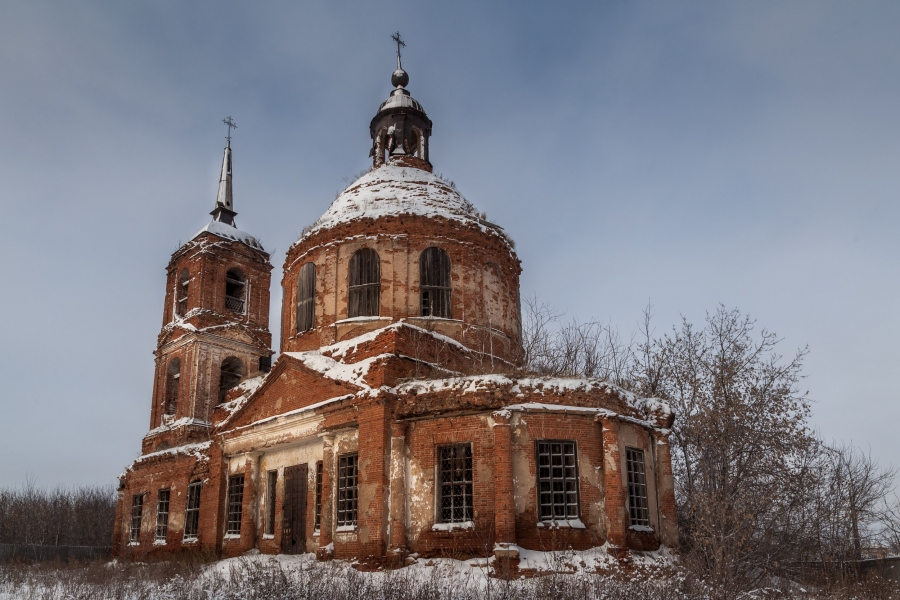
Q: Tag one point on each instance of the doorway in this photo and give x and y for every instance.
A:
(293, 530)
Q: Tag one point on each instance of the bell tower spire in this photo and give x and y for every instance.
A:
(224, 211)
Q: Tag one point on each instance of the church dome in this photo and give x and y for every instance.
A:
(396, 190)
(401, 100)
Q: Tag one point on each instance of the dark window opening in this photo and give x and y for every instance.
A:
(192, 512)
(318, 517)
(181, 293)
(638, 509)
(347, 490)
(306, 298)
(557, 481)
(173, 383)
(456, 483)
(265, 364)
(162, 515)
(230, 375)
(235, 291)
(271, 489)
(434, 283)
(235, 504)
(137, 510)
(365, 284)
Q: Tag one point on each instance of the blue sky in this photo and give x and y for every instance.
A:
(684, 154)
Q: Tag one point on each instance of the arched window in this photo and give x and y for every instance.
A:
(434, 283)
(235, 290)
(181, 292)
(306, 298)
(173, 383)
(365, 284)
(229, 376)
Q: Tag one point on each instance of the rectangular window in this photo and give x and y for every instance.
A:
(455, 477)
(137, 510)
(162, 515)
(192, 512)
(557, 480)
(347, 490)
(235, 504)
(318, 496)
(638, 509)
(271, 490)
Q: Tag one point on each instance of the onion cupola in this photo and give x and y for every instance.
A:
(402, 244)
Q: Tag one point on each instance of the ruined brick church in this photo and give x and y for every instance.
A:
(392, 422)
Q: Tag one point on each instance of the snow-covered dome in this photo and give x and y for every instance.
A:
(394, 190)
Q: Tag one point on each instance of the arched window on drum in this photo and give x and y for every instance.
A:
(365, 284)
(434, 283)
(306, 298)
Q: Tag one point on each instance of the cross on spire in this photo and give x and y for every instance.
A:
(231, 125)
(400, 44)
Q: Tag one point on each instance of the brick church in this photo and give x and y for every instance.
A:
(394, 420)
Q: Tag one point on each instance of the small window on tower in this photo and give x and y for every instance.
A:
(173, 384)
(306, 298)
(365, 284)
(181, 293)
(235, 291)
(229, 376)
(434, 283)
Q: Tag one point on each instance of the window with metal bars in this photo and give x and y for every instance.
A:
(365, 284)
(347, 490)
(306, 298)
(271, 490)
(318, 517)
(235, 504)
(192, 512)
(137, 512)
(434, 283)
(638, 509)
(455, 477)
(173, 382)
(162, 515)
(557, 471)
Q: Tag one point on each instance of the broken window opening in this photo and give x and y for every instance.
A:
(638, 508)
(557, 480)
(271, 488)
(347, 490)
(235, 291)
(162, 515)
(365, 284)
(137, 510)
(181, 293)
(434, 282)
(455, 478)
(235, 504)
(173, 384)
(192, 512)
(230, 374)
(306, 298)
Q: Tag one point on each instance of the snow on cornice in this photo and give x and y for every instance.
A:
(393, 190)
(196, 450)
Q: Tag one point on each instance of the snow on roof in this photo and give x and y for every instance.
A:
(340, 349)
(176, 424)
(393, 190)
(231, 233)
(196, 450)
(247, 388)
(353, 373)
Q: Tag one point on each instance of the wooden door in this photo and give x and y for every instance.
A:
(293, 530)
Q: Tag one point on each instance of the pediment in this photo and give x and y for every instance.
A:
(290, 386)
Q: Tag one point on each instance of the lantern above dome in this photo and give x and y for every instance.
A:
(400, 129)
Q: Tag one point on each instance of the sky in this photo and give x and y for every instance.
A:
(679, 154)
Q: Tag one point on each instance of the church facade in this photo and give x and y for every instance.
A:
(394, 421)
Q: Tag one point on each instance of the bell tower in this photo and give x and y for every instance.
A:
(215, 330)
